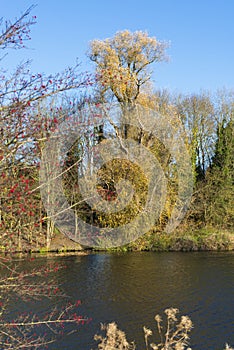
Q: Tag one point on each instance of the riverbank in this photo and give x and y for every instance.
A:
(195, 240)
(206, 239)
(198, 240)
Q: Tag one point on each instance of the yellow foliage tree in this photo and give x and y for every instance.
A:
(122, 63)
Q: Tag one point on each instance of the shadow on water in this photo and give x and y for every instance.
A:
(132, 288)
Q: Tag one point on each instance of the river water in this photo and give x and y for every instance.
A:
(131, 288)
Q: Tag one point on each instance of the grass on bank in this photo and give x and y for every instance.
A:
(206, 239)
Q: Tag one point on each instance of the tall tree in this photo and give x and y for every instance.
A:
(197, 114)
(122, 63)
(220, 179)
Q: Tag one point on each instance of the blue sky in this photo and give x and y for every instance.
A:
(201, 35)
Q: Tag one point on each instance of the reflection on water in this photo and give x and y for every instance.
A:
(131, 288)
